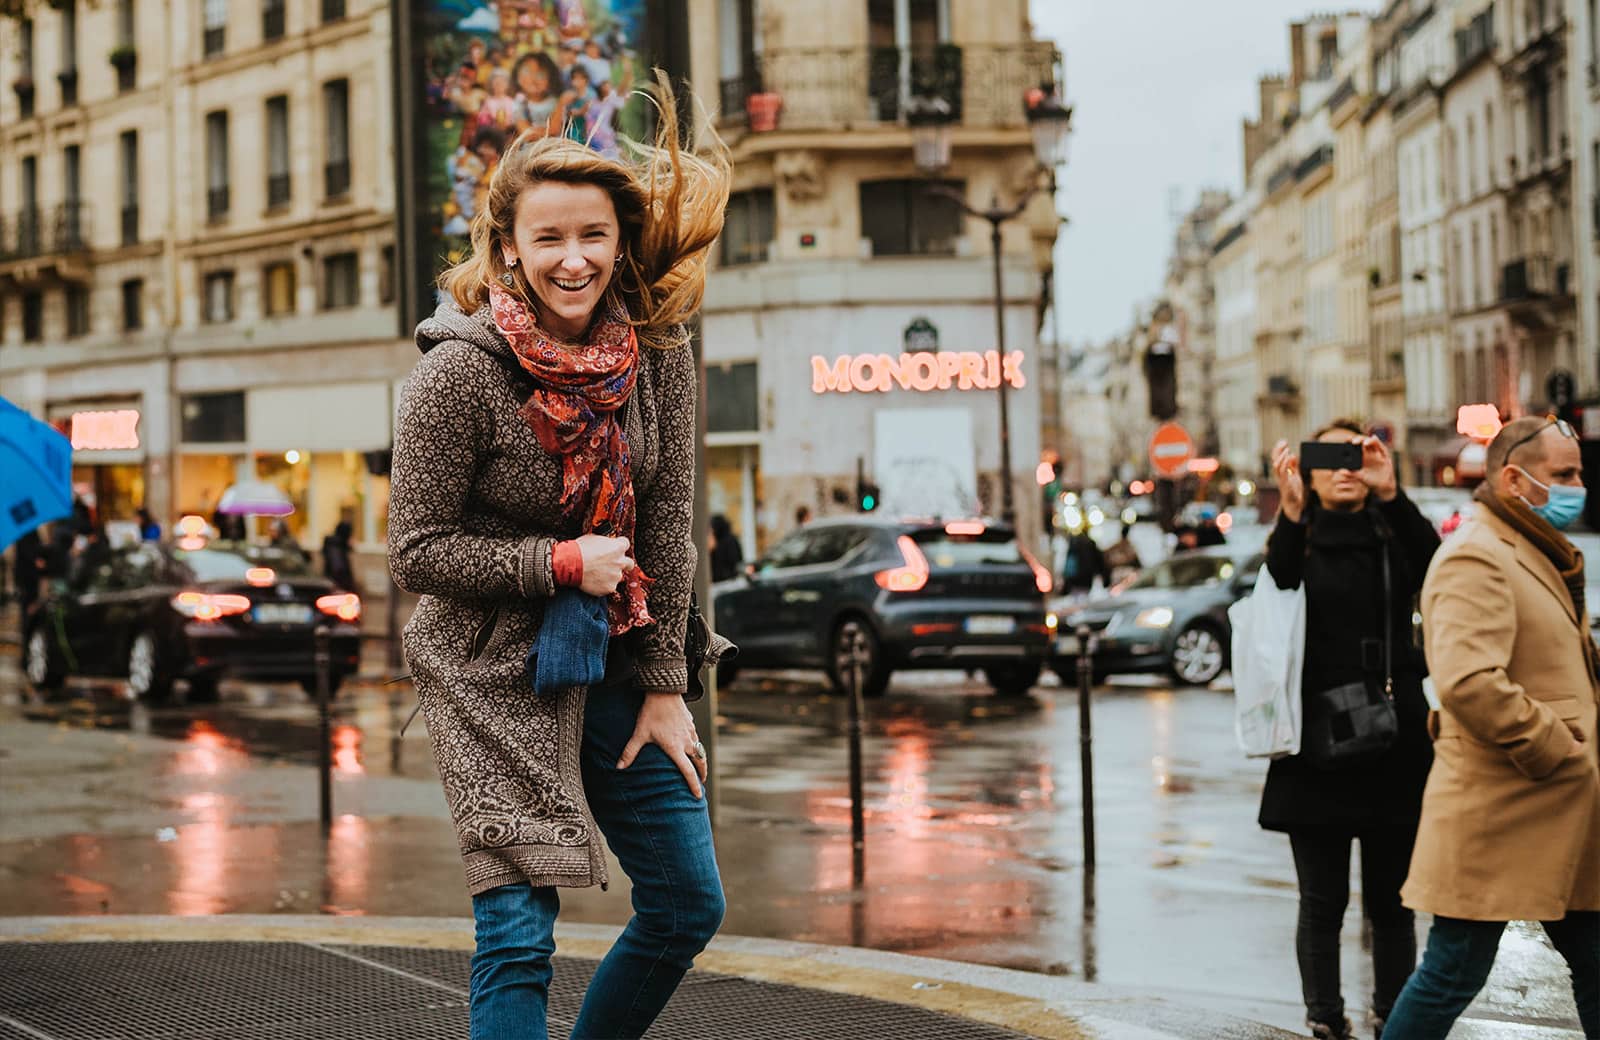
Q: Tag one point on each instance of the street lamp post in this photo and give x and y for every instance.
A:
(932, 126)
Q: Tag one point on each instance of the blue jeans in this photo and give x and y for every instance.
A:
(1457, 962)
(661, 834)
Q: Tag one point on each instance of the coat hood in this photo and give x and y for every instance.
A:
(450, 322)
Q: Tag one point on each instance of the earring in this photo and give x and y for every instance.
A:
(508, 280)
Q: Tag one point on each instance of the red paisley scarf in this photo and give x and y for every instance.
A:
(575, 412)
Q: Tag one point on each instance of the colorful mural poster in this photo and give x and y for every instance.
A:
(495, 68)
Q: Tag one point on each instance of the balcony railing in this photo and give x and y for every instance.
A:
(829, 88)
(33, 233)
(68, 78)
(272, 21)
(734, 92)
(130, 224)
(1535, 277)
(217, 203)
(278, 190)
(337, 179)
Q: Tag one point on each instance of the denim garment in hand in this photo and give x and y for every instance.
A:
(570, 649)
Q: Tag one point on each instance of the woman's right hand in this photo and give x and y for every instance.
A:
(605, 561)
(1291, 487)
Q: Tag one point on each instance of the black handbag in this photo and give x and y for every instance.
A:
(702, 647)
(1355, 722)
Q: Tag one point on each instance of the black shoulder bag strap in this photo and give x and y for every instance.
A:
(1388, 621)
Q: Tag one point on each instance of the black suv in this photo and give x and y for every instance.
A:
(157, 613)
(891, 595)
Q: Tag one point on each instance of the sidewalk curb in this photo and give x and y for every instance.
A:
(1041, 1006)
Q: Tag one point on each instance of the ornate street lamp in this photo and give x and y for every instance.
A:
(1050, 121)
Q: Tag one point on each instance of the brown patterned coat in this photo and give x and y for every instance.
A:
(474, 511)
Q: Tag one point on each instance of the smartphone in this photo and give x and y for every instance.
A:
(1329, 455)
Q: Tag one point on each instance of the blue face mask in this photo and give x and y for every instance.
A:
(1564, 504)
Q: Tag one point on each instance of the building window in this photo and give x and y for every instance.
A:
(129, 147)
(25, 86)
(732, 398)
(216, 165)
(125, 34)
(748, 229)
(213, 418)
(332, 10)
(272, 20)
(278, 183)
(386, 273)
(133, 305)
(279, 285)
(77, 311)
(219, 297)
(904, 218)
(68, 76)
(216, 26)
(336, 113)
(339, 281)
(32, 316)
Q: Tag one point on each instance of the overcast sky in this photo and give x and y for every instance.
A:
(1159, 88)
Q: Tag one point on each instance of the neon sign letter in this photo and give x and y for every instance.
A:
(920, 372)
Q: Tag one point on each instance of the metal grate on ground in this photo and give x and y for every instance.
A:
(290, 991)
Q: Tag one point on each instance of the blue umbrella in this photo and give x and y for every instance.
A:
(35, 473)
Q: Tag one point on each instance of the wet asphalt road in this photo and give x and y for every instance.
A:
(973, 845)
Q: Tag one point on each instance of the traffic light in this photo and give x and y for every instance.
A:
(867, 496)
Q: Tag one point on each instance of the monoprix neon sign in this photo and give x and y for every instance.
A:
(921, 372)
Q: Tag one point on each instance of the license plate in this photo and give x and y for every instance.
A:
(1067, 645)
(283, 614)
(991, 625)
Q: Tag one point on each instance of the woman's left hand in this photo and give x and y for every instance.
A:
(1377, 469)
(665, 721)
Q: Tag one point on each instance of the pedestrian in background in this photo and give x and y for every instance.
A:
(149, 530)
(1121, 558)
(556, 391)
(726, 555)
(1331, 538)
(1511, 816)
(337, 557)
(1084, 563)
(27, 569)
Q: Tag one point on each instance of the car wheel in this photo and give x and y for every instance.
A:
(854, 642)
(308, 683)
(148, 678)
(42, 663)
(1198, 655)
(202, 690)
(1013, 680)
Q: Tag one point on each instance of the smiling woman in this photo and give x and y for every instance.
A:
(543, 487)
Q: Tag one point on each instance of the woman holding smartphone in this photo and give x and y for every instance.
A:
(1332, 537)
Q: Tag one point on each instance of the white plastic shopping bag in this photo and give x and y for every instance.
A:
(1269, 644)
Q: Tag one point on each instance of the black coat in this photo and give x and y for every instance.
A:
(1336, 556)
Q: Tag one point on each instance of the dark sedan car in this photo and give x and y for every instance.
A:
(891, 595)
(155, 614)
(1172, 618)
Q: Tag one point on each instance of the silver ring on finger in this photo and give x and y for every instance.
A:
(698, 751)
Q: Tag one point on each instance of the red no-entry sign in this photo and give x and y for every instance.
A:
(1170, 450)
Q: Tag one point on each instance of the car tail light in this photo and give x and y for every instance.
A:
(910, 578)
(260, 577)
(970, 528)
(346, 606)
(1041, 573)
(204, 606)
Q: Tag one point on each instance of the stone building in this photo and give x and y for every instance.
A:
(196, 255)
(842, 256)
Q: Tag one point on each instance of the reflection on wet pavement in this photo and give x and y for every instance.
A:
(973, 849)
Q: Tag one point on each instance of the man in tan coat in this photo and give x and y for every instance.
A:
(1511, 813)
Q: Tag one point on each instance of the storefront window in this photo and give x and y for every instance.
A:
(732, 403)
(291, 472)
(213, 418)
(115, 491)
(201, 481)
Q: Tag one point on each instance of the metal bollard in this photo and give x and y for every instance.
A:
(1086, 648)
(858, 826)
(324, 665)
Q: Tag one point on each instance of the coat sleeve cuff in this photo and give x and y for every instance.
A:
(536, 577)
(662, 674)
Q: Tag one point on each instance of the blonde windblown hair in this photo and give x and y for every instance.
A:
(670, 203)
